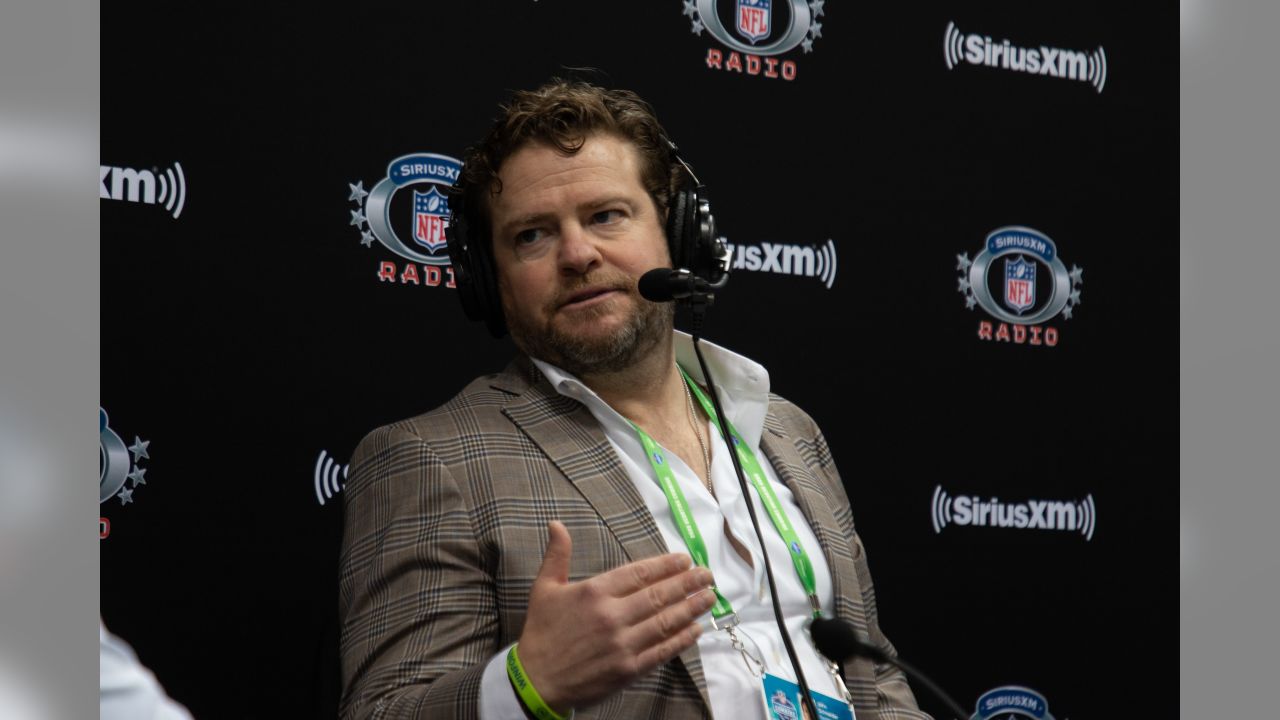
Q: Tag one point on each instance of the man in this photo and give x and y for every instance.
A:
(507, 554)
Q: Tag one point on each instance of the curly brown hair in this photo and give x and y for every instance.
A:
(563, 114)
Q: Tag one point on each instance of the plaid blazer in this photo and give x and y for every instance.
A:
(446, 524)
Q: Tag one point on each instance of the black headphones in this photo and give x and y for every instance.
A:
(690, 229)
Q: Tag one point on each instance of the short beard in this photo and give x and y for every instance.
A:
(581, 357)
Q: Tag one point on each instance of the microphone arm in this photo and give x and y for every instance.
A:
(667, 284)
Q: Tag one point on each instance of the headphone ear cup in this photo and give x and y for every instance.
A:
(678, 228)
(464, 269)
(485, 280)
(473, 273)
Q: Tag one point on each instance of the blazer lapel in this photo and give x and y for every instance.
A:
(567, 432)
(816, 506)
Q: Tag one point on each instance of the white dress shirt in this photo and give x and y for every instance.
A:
(733, 690)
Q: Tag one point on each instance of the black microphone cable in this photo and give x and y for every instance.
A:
(835, 639)
(805, 697)
(656, 286)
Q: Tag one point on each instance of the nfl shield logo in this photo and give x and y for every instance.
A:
(430, 216)
(1019, 284)
(753, 19)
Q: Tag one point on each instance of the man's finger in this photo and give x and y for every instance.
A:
(623, 581)
(670, 622)
(555, 563)
(656, 597)
(664, 651)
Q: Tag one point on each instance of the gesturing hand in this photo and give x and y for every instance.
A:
(584, 641)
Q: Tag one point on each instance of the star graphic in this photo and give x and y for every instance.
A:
(357, 218)
(697, 27)
(815, 7)
(357, 191)
(963, 262)
(1077, 274)
(125, 495)
(807, 45)
(366, 238)
(970, 301)
(1066, 313)
(1074, 298)
(963, 283)
(690, 8)
(816, 30)
(139, 448)
(138, 476)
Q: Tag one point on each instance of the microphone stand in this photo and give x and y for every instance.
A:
(699, 302)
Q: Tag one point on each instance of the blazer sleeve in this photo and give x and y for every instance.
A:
(417, 604)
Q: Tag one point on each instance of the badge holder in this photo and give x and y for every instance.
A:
(782, 702)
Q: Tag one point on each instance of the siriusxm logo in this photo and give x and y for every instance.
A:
(1011, 701)
(971, 510)
(758, 33)
(977, 49)
(1019, 279)
(168, 188)
(421, 238)
(816, 261)
(328, 477)
(118, 464)
(407, 211)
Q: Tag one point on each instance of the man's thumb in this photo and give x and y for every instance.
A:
(555, 564)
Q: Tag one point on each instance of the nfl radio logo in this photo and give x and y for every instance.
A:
(1019, 284)
(430, 216)
(753, 19)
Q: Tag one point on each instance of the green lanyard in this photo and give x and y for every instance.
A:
(688, 529)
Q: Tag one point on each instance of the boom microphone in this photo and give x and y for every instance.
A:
(665, 285)
(839, 641)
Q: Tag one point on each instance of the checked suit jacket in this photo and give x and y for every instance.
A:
(446, 525)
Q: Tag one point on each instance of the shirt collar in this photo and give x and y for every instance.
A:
(743, 386)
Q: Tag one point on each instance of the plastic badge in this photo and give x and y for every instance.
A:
(782, 701)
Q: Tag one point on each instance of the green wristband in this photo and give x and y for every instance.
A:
(530, 697)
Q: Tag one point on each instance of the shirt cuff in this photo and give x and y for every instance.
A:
(498, 699)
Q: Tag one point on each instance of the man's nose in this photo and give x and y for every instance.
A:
(578, 251)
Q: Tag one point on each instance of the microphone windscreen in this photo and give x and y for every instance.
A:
(832, 639)
(655, 285)
(838, 641)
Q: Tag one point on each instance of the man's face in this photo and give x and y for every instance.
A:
(572, 236)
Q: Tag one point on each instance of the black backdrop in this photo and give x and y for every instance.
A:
(249, 340)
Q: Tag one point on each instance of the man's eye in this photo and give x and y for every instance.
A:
(526, 237)
(606, 217)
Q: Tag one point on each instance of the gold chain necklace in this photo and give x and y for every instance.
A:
(706, 453)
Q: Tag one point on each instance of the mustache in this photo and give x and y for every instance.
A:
(601, 282)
